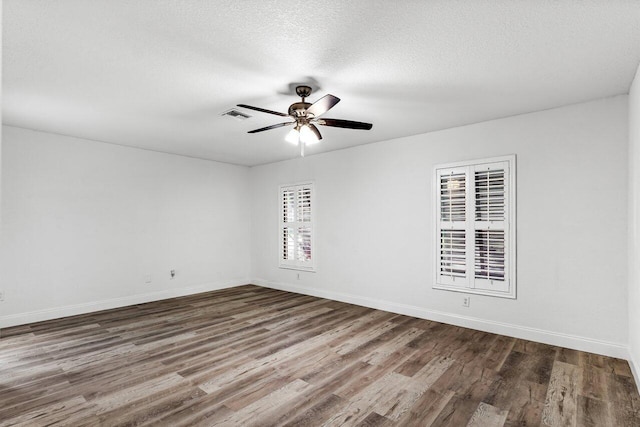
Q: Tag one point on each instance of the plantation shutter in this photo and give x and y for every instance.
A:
(296, 227)
(452, 224)
(490, 226)
(288, 206)
(474, 227)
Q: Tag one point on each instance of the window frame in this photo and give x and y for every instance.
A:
(468, 284)
(295, 264)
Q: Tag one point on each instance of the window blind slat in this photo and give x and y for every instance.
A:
(453, 259)
(288, 243)
(303, 202)
(490, 254)
(303, 244)
(288, 206)
(490, 195)
(453, 197)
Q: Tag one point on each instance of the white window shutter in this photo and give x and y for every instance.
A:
(296, 226)
(287, 218)
(491, 226)
(288, 207)
(303, 245)
(475, 237)
(288, 244)
(303, 204)
(452, 234)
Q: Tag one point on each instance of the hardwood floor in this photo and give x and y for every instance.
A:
(255, 356)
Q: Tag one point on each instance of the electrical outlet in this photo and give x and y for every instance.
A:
(466, 301)
(1, 295)
(173, 274)
(147, 278)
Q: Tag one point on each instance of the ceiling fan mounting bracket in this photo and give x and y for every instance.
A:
(303, 91)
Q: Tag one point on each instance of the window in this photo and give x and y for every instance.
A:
(475, 227)
(296, 226)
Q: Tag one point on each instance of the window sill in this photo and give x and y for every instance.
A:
(298, 268)
(508, 295)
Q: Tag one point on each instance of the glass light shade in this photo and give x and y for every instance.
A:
(307, 136)
(293, 136)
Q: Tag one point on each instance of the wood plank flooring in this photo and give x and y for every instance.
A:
(252, 356)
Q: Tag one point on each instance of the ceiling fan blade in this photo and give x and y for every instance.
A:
(349, 124)
(323, 105)
(315, 130)
(279, 125)
(263, 110)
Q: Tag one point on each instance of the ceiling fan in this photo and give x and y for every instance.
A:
(305, 118)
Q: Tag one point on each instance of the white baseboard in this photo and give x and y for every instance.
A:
(634, 369)
(89, 307)
(575, 342)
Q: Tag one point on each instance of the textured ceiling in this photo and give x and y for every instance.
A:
(157, 74)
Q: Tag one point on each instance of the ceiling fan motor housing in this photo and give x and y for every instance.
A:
(299, 109)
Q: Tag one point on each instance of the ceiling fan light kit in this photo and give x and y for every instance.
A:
(301, 134)
(293, 136)
(306, 116)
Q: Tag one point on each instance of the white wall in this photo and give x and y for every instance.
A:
(634, 224)
(83, 223)
(374, 230)
(0, 140)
